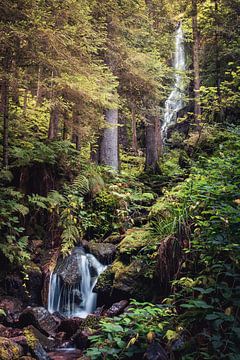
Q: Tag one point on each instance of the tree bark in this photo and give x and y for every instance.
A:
(134, 131)
(53, 124)
(109, 140)
(5, 104)
(153, 145)
(196, 65)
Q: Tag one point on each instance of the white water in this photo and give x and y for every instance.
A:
(175, 102)
(78, 299)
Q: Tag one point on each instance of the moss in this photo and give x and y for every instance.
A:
(105, 280)
(30, 337)
(134, 241)
(9, 350)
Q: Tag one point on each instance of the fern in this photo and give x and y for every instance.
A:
(81, 185)
(70, 236)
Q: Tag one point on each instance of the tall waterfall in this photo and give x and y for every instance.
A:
(175, 102)
(71, 285)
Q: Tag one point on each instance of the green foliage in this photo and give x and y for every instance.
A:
(127, 335)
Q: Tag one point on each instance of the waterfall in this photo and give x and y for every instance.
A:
(74, 297)
(175, 102)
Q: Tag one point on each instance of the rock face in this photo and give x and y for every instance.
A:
(9, 350)
(12, 308)
(104, 252)
(40, 318)
(68, 268)
(116, 308)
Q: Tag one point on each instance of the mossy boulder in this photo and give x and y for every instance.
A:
(9, 350)
(130, 281)
(104, 252)
(134, 240)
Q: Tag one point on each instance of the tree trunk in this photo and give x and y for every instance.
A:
(5, 104)
(134, 132)
(153, 145)
(53, 125)
(109, 141)
(39, 89)
(196, 65)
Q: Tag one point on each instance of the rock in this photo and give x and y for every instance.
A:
(68, 268)
(66, 354)
(114, 239)
(41, 319)
(70, 326)
(81, 339)
(155, 352)
(134, 240)
(48, 343)
(104, 252)
(9, 350)
(116, 308)
(34, 285)
(9, 332)
(12, 308)
(104, 287)
(34, 346)
(13, 285)
(130, 281)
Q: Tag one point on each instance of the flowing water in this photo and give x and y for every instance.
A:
(175, 101)
(75, 299)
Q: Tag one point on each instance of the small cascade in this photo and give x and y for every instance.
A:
(71, 285)
(175, 101)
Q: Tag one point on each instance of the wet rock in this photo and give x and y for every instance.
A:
(116, 308)
(12, 308)
(104, 252)
(70, 326)
(156, 352)
(9, 350)
(13, 285)
(39, 353)
(65, 354)
(33, 345)
(68, 268)
(104, 287)
(40, 318)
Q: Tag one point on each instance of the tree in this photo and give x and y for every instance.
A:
(196, 65)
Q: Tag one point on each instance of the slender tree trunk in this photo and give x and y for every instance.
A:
(109, 140)
(39, 89)
(65, 125)
(153, 145)
(134, 131)
(196, 65)
(54, 123)
(5, 104)
(25, 101)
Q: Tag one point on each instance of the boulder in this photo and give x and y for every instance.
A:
(12, 307)
(9, 332)
(114, 239)
(104, 287)
(134, 240)
(48, 343)
(9, 350)
(116, 308)
(68, 268)
(40, 318)
(104, 252)
(70, 326)
(81, 339)
(33, 345)
(130, 281)
(34, 285)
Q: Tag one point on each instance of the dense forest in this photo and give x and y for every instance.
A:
(119, 179)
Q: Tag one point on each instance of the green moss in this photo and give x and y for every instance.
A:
(135, 240)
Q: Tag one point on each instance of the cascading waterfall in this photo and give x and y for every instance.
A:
(175, 101)
(75, 299)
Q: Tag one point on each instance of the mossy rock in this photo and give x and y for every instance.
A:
(161, 209)
(130, 279)
(9, 350)
(135, 240)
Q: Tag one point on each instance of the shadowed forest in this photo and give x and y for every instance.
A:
(119, 179)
